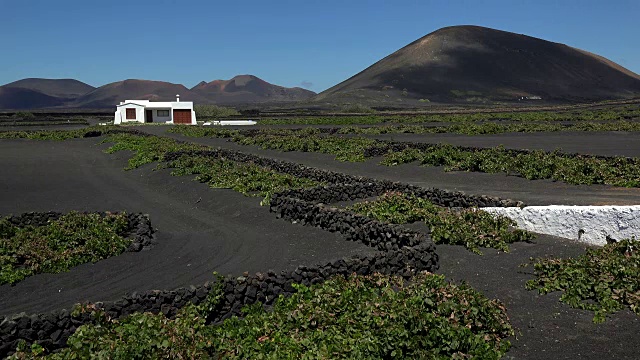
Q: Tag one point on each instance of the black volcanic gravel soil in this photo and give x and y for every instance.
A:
(532, 192)
(614, 143)
(199, 230)
(43, 127)
(546, 328)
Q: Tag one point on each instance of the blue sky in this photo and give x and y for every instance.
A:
(289, 43)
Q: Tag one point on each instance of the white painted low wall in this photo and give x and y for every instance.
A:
(230, 122)
(589, 224)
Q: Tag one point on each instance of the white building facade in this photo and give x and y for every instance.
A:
(145, 111)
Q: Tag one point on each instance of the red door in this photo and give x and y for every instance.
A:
(182, 116)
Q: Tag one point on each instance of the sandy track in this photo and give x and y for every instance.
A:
(615, 143)
(200, 230)
(536, 192)
(76, 175)
(545, 327)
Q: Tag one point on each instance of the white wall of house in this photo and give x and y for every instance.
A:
(141, 106)
(158, 118)
(121, 114)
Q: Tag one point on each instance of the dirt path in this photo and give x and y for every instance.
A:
(200, 230)
(536, 192)
(546, 328)
(615, 143)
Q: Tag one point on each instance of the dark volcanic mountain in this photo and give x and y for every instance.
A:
(472, 63)
(244, 89)
(67, 93)
(19, 99)
(62, 88)
(41, 93)
(110, 95)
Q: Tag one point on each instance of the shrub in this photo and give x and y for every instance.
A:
(532, 165)
(363, 317)
(372, 317)
(57, 135)
(138, 336)
(248, 179)
(491, 128)
(146, 149)
(73, 239)
(537, 164)
(305, 140)
(592, 115)
(602, 280)
(471, 228)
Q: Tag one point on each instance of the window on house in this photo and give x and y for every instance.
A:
(131, 114)
(163, 113)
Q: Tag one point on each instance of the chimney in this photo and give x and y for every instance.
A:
(178, 98)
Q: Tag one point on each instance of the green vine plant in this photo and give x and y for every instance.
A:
(603, 280)
(74, 239)
(56, 135)
(303, 140)
(248, 179)
(533, 165)
(361, 317)
(609, 114)
(491, 128)
(471, 228)
(245, 178)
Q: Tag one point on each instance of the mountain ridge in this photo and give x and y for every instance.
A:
(455, 64)
(63, 88)
(37, 93)
(468, 62)
(249, 88)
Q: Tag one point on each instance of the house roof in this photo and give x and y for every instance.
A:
(129, 103)
(157, 104)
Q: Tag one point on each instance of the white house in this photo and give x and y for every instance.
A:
(145, 111)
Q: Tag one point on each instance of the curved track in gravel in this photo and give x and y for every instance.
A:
(612, 143)
(199, 230)
(546, 328)
(532, 192)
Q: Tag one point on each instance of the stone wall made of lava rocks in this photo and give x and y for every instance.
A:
(52, 330)
(400, 251)
(139, 228)
(343, 187)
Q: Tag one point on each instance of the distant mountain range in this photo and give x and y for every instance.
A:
(244, 89)
(458, 64)
(108, 96)
(68, 93)
(41, 93)
(478, 64)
